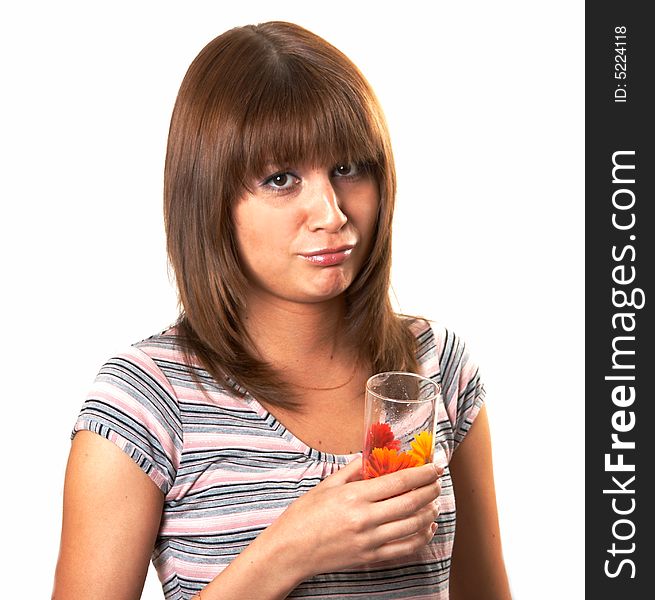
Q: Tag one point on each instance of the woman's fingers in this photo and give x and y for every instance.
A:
(400, 482)
(404, 505)
(389, 498)
(404, 546)
(351, 472)
(419, 523)
(386, 486)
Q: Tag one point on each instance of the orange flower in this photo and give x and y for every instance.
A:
(381, 436)
(421, 447)
(384, 460)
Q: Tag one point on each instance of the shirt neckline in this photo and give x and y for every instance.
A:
(295, 442)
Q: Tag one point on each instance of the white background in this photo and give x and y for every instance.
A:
(485, 105)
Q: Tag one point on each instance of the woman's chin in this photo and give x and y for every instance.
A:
(312, 288)
(328, 286)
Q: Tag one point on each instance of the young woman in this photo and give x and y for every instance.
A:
(225, 448)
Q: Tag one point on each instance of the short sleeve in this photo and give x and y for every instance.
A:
(462, 389)
(132, 404)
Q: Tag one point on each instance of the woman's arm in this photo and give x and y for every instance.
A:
(477, 570)
(111, 516)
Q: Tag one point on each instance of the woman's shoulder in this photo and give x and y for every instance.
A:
(141, 366)
(156, 362)
(166, 339)
(429, 333)
(167, 348)
(439, 349)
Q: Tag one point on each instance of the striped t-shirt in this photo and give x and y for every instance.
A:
(228, 468)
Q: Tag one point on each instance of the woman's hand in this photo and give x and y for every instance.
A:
(346, 521)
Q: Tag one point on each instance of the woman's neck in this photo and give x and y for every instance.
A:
(307, 346)
(292, 336)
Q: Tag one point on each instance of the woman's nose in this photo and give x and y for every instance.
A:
(323, 209)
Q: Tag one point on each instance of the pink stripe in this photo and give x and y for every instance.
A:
(202, 571)
(202, 441)
(201, 526)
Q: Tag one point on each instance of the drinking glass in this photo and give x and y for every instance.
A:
(399, 422)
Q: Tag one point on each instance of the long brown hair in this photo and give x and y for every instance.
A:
(260, 94)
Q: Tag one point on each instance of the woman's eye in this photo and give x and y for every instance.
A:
(346, 170)
(281, 181)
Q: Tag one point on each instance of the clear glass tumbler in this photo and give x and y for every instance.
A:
(399, 422)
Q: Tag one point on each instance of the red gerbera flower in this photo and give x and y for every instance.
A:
(381, 436)
(383, 460)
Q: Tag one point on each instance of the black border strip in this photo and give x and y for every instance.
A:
(620, 345)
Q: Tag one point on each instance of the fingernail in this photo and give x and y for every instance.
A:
(438, 469)
(433, 528)
(437, 505)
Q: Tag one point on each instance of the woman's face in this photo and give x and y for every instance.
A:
(304, 232)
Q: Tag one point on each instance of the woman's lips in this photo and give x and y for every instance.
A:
(328, 257)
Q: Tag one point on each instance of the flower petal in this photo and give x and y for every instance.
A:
(384, 460)
(422, 447)
(381, 436)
